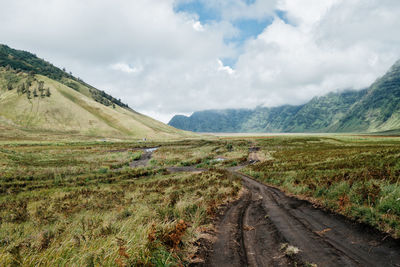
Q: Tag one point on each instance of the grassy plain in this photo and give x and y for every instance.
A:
(79, 203)
(64, 204)
(357, 176)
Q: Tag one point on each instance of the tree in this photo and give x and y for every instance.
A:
(48, 94)
(9, 86)
(28, 94)
(35, 94)
(23, 89)
(29, 82)
(41, 86)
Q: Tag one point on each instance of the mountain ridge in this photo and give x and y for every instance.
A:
(372, 109)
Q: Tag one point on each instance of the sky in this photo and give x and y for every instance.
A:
(167, 57)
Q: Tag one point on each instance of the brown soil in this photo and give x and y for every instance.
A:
(143, 161)
(265, 228)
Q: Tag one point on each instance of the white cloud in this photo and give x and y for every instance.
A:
(223, 68)
(125, 68)
(163, 63)
(198, 27)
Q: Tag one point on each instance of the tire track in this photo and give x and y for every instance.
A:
(253, 229)
(229, 248)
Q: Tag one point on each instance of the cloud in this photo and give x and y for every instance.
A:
(231, 10)
(162, 62)
(223, 68)
(198, 27)
(328, 45)
(125, 68)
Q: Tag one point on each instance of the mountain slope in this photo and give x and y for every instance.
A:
(212, 120)
(315, 116)
(374, 109)
(321, 112)
(56, 102)
(378, 109)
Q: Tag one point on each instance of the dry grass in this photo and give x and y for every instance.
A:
(355, 176)
(65, 204)
(71, 113)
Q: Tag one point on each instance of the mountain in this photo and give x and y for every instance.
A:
(212, 120)
(38, 98)
(376, 108)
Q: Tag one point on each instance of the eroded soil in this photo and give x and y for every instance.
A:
(267, 228)
(144, 159)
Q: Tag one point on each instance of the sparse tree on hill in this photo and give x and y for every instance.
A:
(9, 86)
(113, 105)
(29, 82)
(41, 86)
(48, 94)
(35, 94)
(28, 94)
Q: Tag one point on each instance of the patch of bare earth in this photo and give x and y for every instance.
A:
(267, 228)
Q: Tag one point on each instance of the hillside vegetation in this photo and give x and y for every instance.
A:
(37, 98)
(369, 110)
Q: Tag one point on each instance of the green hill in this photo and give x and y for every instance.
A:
(374, 109)
(378, 109)
(37, 98)
(315, 116)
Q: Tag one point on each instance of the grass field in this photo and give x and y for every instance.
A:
(81, 204)
(357, 176)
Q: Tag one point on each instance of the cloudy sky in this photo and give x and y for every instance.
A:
(166, 57)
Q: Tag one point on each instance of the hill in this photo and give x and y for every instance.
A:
(378, 109)
(37, 98)
(375, 109)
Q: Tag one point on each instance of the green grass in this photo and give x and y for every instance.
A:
(202, 153)
(78, 204)
(356, 176)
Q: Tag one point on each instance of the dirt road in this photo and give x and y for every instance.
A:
(267, 228)
(144, 159)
